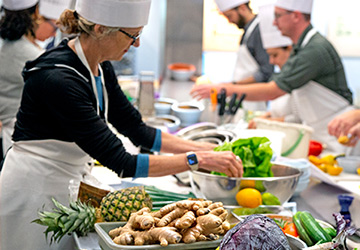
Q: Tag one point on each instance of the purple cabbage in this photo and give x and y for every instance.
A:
(255, 232)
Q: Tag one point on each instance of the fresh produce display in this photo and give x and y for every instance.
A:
(312, 232)
(327, 164)
(255, 232)
(80, 217)
(255, 153)
(185, 221)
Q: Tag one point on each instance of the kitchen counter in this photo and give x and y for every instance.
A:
(319, 198)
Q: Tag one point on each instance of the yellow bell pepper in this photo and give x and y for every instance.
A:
(328, 159)
(314, 160)
(334, 170)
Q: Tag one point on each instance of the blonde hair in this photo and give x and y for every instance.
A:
(70, 22)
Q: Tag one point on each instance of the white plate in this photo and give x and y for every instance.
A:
(346, 181)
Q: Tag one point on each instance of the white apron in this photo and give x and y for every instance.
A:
(246, 66)
(33, 172)
(317, 106)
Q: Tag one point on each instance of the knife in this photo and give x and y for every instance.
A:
(222, 103)
(232, 103)
(235, 108)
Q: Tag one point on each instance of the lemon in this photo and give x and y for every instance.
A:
(270, 199)
(249, 197)
(358, 171)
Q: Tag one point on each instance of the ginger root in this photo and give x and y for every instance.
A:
(188, 221)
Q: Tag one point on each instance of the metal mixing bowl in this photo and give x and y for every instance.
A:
(224, 189)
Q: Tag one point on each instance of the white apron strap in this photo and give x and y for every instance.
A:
(82, 57)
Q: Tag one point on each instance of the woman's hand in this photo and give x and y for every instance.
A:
(201, 91)
(224, 162)
(346, 124)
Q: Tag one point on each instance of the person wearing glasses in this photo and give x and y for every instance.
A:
(252, 63)
(71, 95)
(314, 74)
(18, 27)
(279, 48)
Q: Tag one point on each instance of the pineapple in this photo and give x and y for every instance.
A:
(118, 205)
(81, 217)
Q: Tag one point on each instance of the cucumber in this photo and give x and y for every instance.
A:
(301, 230)
(313, 228)
(331, 231)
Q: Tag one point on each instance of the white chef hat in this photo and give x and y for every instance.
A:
(115, 13)
(271, 36)
(225, 5)
(52, 9)
(304, 6)
(16, 5)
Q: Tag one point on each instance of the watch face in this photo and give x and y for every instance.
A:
(192, 160)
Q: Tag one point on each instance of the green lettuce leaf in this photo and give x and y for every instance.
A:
(255, 153)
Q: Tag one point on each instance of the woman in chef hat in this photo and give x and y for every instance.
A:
(18, 26)
(278, 48)
(50, 10)
(70, 95)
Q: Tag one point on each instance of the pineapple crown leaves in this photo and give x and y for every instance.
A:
(78, 217)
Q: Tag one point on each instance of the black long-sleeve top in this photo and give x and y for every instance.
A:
(58, 102)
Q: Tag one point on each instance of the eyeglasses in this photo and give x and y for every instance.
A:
(131, 36)
(277, 16)
(52, 24)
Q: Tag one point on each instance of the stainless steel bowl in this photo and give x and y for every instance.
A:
(219, 136)
(196, 128)
(224, 189)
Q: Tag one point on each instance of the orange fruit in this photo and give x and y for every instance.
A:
(247, 184)
(358, 171)
(249, 197)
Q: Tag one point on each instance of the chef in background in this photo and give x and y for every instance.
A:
(278, 48)
(70, 97)
(252, 63)
(51, 10)
(18, 26)
(314, 75)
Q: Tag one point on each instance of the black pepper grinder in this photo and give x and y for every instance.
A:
(345, 202)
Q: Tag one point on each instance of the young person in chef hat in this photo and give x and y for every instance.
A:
(313, 75)
(278, 48)
(70, 95)
(252, 64)
(18, 25)
(51, 10)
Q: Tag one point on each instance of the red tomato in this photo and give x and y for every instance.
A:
(290, 228)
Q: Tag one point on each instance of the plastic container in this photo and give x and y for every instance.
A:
(350, 164)
(106, 243)
(297, 136)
